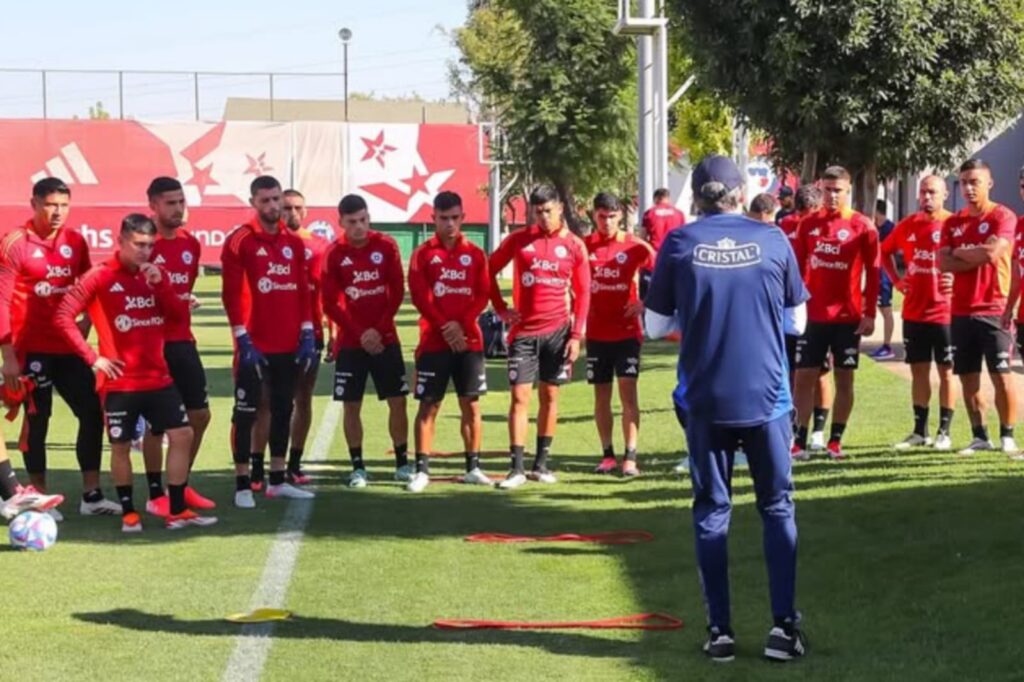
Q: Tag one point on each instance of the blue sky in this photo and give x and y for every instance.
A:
(398, 47)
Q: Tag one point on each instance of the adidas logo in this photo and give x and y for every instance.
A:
(261, 252)
(38, 253)
(850, 361)
(631, 369)
(159, 260)
(347, 261)
(593, 256)
(912, 238)
(529, 249)
(816, 232)
(69, 165)
(117, 288)
(1003, 364)
(435, 260)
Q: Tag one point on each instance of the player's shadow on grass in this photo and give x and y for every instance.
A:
(303, 627)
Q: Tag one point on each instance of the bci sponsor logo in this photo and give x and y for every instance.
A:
(607, 273)
(450, 274)
(827, 249)
(279, 269)
(924, 254)
(177, 277)
(361, 276)
(545, 265)
(139, 302)
(56, 271)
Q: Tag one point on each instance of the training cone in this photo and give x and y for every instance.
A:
(259, 616)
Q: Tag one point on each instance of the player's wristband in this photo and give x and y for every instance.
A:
(239, 331)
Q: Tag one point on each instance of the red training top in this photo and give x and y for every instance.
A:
(35, 274)
(448, 285)
(659, 220)
(179, 258)
(918, 237)
(614, 263)
(264, 286)
(363, 288)
(836, 250)
(547, 267)
(314, 252)
(983, 290)
(130, 318)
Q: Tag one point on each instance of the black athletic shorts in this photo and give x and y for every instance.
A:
(69, 374)
(187, 372)
(279, 375)
(539, 357)
(606, 359)
(826, 364)
(820, 338)
(353, 365)
(467, 371)
(1020, 340)
(163, 409)
(980, 336)
(927, 342)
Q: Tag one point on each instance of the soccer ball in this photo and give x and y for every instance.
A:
(33, 531)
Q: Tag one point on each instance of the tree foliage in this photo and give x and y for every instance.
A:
(881, 86)
(562, 86)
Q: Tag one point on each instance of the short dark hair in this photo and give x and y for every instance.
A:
(293, 193)
(446, 201)
(807, 197)
(607, 201)
(661, 193)
(160, 185)
(881, 206)
(351, 203)
(263, 182)
(48, 186)
(137, 223)
(542, 194)
(836, 173)
(763, 203)
(975, 164)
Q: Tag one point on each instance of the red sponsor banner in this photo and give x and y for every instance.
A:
(399, 168)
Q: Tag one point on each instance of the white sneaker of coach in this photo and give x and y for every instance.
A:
(419, 482)
(943, 442)
(477, 477)
(102, 507)
(1010, 447)
(287, 490)
(977, 445)
(512, 481)
(817, 441)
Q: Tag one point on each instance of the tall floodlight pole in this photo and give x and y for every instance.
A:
(346, 35)
(652, 86)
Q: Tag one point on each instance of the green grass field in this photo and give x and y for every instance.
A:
(908, 564)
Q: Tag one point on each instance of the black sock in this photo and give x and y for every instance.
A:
(820, 417)
(156, 486)
(295, 460)
(124, 496)
(980, 431)
(609, 452)
(1006, 431)
(243, 482)
(94, 495)
(630, 454)
(256, 462)
(276, 477)
(540, 459)
(8, 480)
(836, 434)
(422, 463)
(356, 455)
(177, 495)
(472, 461)
(518, 451)
(801, 437)
(401, 455)
(945, 419)
(921, 420)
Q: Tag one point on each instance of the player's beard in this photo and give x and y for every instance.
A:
(272, 217)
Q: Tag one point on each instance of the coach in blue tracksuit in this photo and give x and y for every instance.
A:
(732, 287)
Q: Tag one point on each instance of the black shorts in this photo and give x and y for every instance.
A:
(927, 342)
(791, 340)
(187, 373)
(163, 409)
(1020, 340)
(279, 375)
(980, 336)
(353, 365)
(467, 371)
(606, 359)
(539, 357)
(821, 338)
(70, 375)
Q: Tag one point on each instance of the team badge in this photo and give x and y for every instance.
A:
(561, 251)
(66, 251)
(287, 252)
(377, 257)
(465, 260)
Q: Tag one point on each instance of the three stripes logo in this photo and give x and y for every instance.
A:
(70, 166)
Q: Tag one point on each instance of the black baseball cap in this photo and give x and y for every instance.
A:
(716, 168)
(785, 191)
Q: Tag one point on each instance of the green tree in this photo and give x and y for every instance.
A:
(562, 86)
(880, 86)
(98, 113)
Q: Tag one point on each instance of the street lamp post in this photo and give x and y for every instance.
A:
(345, 35)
